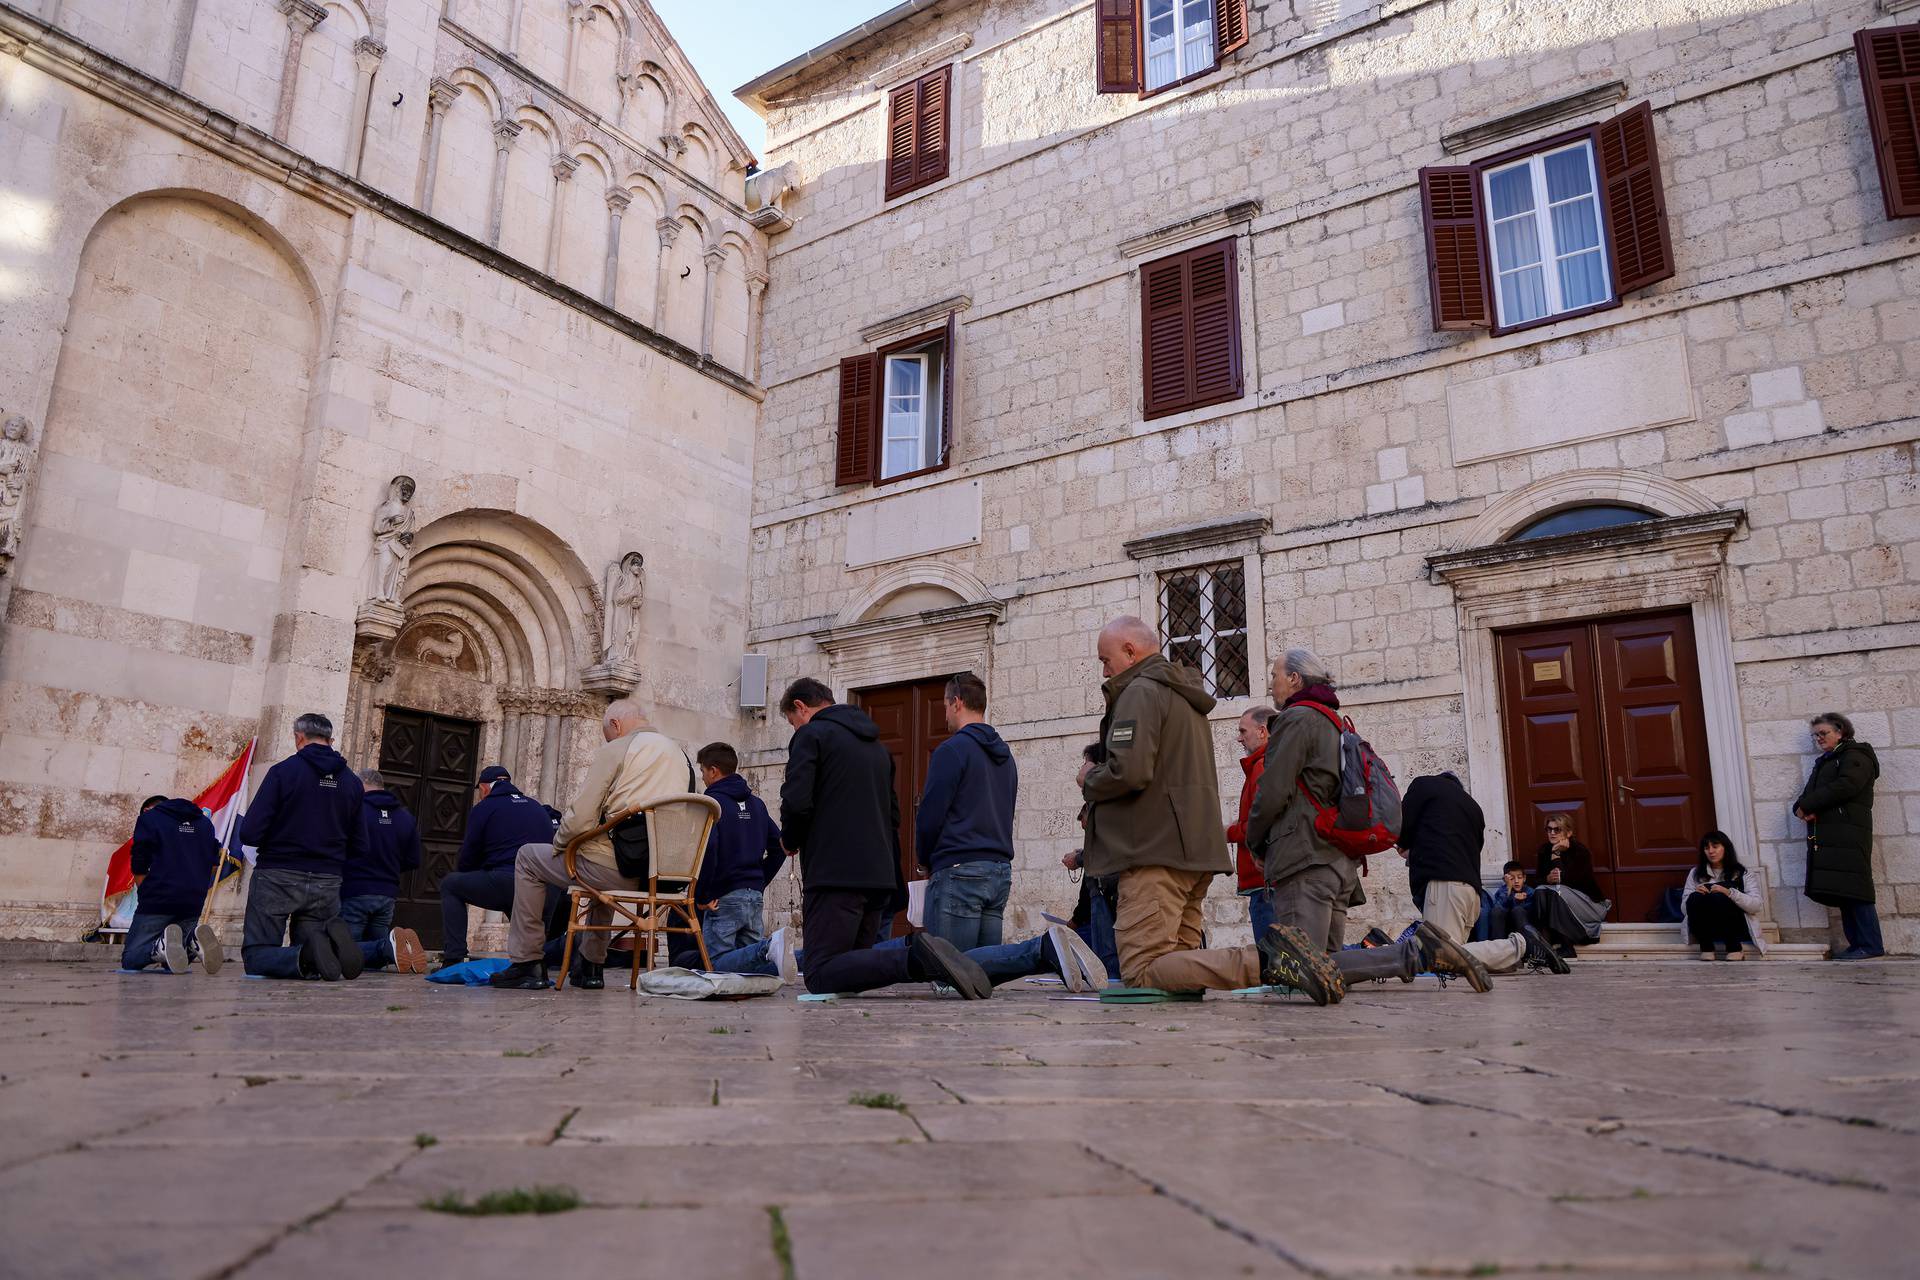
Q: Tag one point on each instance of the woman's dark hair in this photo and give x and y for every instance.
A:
(1732, 871)
(1841, 725)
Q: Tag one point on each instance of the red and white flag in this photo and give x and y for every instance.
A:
(221, 802)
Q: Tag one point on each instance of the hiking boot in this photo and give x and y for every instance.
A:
(206, 950)
(408, 955)
(1539, 954)
(1287, 959)
(780, 951)
(1080, 966)
(346, 947)
(941, 961)
(588, 976)
(522, 975)
(1444, 955)
(171, 950)
(317, 958)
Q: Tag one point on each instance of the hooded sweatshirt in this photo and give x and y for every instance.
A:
(175, 848)
(306, 815)
(1155, 800)
(966, 814)
(744, 850)
(838, 808)
(496, 828)
(392, 846)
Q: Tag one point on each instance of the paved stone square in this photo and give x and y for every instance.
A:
(1667, 1119)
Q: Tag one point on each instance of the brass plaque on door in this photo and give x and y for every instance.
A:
(1544, 672)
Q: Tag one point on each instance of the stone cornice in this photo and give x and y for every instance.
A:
(1239, 213)
(887, 77)
(1568, 551)
(1250, 525)
(1526, 119)
(919, 318)
(557, 702)
(960, 617)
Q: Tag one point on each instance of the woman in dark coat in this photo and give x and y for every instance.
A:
(1837, 806)
(1570, 913)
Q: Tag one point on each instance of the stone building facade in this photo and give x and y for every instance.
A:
(1632, 513)
(265, 260)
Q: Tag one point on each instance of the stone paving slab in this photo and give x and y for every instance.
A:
(1644, 1120)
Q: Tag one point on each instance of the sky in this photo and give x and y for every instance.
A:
(732, 41)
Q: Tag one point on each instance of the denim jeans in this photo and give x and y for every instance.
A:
(967, 900)
(143, 934)
(1259, 911)
(736, 921)
(490, 890)
(369, 916)
(1099, 932)
(1010, 960)
(281, 904)
(1862, 926)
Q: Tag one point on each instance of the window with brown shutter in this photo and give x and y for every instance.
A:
(919, 128)
(859, 419)
(1117, 42)
(1190, 329)
(1890, 80)
(1146, 46)
(896, 409)
(1456, 269)
(1636, 202)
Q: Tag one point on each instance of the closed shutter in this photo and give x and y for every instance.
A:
(1230, 25)
(1456, 268)
(903, 131)
(931, 150)
(1635, 200)
(1117, 45)
(1190, 330)
(1890, 79)
(952, 357)
(859, 419)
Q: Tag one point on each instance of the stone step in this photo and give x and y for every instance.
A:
(1662, 942)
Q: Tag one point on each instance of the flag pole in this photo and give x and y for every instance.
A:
(226, 837)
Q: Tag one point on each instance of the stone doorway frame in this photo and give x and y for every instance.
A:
(868, 653)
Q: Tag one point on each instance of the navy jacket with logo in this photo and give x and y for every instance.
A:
(175, 848)
(499, 825)
(306, 815)
(744, 851)
(392, 846)
(966, 814)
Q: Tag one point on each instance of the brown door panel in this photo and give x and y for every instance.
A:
(1552, 726)
(429, 762)
(912, 719)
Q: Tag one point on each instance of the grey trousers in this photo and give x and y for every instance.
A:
(534, 868)
(1454, 908)
(1314, 901)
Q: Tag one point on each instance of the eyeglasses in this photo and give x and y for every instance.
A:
(1555, 830)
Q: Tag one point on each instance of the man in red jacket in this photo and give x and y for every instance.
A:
(1253, 884)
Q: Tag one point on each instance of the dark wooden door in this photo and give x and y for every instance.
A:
(913, 721)
(429, 762)
(1603, 721)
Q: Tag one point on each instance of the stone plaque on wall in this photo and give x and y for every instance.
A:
(913, 524)
(1605, 393)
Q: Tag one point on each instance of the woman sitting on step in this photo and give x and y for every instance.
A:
(1567, 904)
(1721, 902)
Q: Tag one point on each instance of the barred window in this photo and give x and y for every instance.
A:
(1203, 614)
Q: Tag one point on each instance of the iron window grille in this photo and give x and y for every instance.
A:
(1203, 614)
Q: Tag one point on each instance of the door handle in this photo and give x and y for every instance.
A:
(1623, 790)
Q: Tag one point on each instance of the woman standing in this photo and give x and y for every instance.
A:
(1567, 904)
(1719, 906)
(1837, 806)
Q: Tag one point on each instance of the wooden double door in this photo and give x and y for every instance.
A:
(429, 762)
(1603, 721)
(913, 721)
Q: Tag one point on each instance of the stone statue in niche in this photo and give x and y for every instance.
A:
(626, 592)
(392, 540)
(16, 458)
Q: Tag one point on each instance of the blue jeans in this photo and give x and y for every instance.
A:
(967, 900)
(370, 916)
(1259, 911)
(280, 904)
(490, 890)
(1099, 931)
(1858, 919)
(736, 921)
(143, 933)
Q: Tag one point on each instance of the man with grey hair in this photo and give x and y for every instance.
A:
(637, 766)
(306, 822)
(1312, 880)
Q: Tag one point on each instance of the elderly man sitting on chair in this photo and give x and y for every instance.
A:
(637, 766)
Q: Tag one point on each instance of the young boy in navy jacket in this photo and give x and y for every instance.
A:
(370, 880)
(175, 852)
(743, 856)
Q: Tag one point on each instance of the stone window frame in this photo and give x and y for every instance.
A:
(1541, 215)
(1234, 222)
(1184, 548)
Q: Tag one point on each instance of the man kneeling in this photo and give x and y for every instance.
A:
(636, 767)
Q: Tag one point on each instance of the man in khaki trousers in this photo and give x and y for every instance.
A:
(637, 766)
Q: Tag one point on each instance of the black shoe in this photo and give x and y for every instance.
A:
(524, 975)
(944, 962)
(1444, 955)
(1377, 937)
(317, 959)
(346, 947)
(1565, 952)
(1287, 959)
(588, 976)
(1539, 954)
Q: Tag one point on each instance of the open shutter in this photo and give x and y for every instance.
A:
(1117, 39)
(1214, 307)
(1634, 199)
(903, 132)
(931, 151)
(1456, 269)
(1890, 79)
(859, 419)
(1229, 25)
(946, 391)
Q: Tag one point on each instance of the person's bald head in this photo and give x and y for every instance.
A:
(1123, 642)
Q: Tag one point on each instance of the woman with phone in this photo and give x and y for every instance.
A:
(1721, 901)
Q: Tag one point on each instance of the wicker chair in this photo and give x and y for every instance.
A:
(677, 831)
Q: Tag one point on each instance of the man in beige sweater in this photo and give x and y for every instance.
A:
(637, 766)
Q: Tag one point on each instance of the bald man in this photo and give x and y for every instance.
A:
(1153, 820)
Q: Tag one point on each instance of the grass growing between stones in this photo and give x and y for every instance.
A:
(514, 1200)
(878, 1101)
(782, 1242)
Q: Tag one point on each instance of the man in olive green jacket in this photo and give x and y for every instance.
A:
(1153, 819)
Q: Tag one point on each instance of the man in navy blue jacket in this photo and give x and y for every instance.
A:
(502, 819)
(175, 851)
(744, 854)
(963, 829)
(306, 823)
(370, 882)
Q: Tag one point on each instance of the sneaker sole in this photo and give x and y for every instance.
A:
(212, 955)
(962, 974)
(345, 949)
(173, 950)
(1078, 963)
(1301, 965)
(408, 955)
(783, 961)
(326, 964)
(1444, 954)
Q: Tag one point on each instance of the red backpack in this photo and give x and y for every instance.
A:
(1366, 817)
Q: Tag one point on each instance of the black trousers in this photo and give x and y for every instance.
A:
(1714, 917)
(840, 928)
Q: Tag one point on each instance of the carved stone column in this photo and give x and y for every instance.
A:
(367, 53)
(513, 26)
(563, 167)
(302, 17)
(440, 96)
(715, 257)
(617, 202)
(578, 16)
(372, 665)
(669, 229)
(756, 303)
(504, 132)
